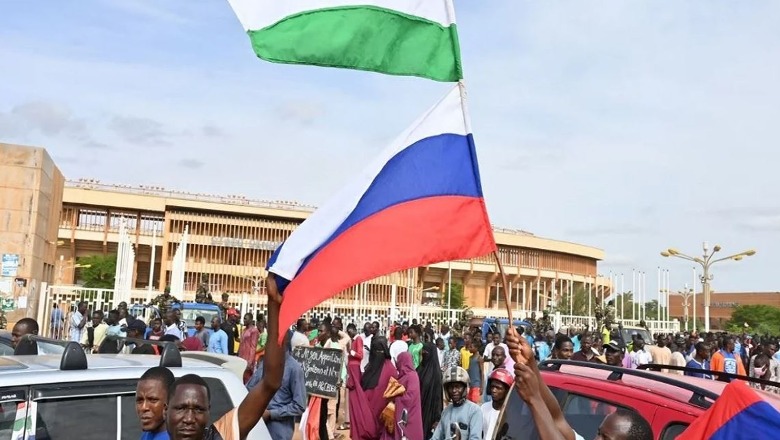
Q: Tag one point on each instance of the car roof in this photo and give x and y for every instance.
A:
(627, 385)
(655, 387)
(195, 305)
(94, 362)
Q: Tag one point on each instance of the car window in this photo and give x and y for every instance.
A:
(673, 430)
(189, 315)
(131, 427)
(220, 405)
(5, 347)
(85, 410)
(628, 335)
(85, 418)
(12, 406)
(516, 423)
(220, 398)
(66, 411)
(585, 413)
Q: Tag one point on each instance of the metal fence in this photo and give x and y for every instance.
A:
(68, 297)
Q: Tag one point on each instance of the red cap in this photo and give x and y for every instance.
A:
(502, 376)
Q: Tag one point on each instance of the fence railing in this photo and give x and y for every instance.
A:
(68, 297)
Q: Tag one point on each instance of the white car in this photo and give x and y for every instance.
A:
(58, 397)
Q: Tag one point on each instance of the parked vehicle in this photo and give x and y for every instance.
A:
(55, 396)
(189, 311)
(588, 392)
(501, 325)
(628, 332)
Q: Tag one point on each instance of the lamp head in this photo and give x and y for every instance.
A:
(750, 253)
(737, 258)
(716, 248)
(665, 254)
(672, 251)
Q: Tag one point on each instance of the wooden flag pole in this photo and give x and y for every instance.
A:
(504, 281)
(516, 354)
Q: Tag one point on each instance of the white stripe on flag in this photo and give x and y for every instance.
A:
(444, 117)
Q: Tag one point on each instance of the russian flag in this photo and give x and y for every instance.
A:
(739, 413)
(420, 202)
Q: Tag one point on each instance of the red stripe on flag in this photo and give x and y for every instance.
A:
(411, 234)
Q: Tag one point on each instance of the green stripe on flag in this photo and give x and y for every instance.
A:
(363, 38)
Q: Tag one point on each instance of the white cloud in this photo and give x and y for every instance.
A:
(590, 118)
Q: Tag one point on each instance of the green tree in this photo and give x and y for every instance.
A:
(579, 303)
(623, 305)
(456, 299)
(652, 310)
(760, 318)
(100, 273)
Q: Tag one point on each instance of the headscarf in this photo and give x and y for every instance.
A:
(430, 386)
(404, 364)
(378, 355)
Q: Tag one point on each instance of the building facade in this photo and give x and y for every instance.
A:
(230, 239)
(31, 188)
(722, 304)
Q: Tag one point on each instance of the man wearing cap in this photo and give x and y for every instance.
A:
(614, 352)
(231, 330)
(135, 330)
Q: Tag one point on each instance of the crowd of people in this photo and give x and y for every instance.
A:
(418, 382)
(710, 352)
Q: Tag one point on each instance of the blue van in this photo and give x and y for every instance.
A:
(189, 311)
(501, 325)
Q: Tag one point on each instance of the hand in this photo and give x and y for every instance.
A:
(519, 349)
(456, 431)
(271, 289)
(266, 416)
(526, 383)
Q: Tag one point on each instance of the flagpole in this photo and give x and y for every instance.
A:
(467, 125)
(694, 301)
(505, 282)
(633, 294)
(449, 293)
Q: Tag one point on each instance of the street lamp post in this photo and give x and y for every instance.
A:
(706, 261)
(686, 295)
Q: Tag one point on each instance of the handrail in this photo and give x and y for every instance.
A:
(617, 373)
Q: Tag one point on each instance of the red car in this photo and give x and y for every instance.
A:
(588, 392)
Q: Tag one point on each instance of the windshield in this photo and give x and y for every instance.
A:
(189, 315)
(502, 328)
(628, 335)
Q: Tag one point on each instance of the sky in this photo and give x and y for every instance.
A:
(628, 126)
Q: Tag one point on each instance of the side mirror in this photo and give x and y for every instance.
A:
(404, 416)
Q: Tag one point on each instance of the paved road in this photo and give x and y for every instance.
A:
(298, 435)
